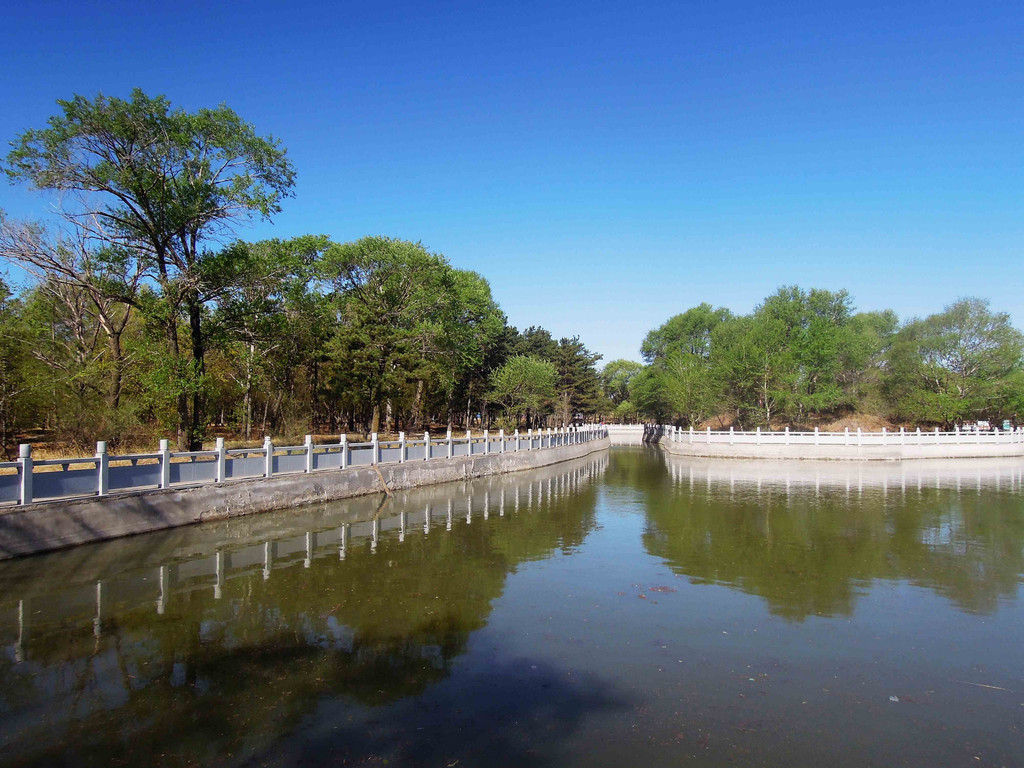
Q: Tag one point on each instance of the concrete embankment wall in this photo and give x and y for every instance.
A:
(843, 452)
(44, 527)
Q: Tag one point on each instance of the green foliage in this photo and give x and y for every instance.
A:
(525, 386)
(689, 333)
(158, 185)
(962, 363)
(805, 354)
(616, 379)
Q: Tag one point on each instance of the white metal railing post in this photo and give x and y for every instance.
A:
(268, 457)
(815, 435)
(691, 434)
(860, 437)
(487, 441)
(516, 436)
(883, 435)
(757, 436)
(846, 435)
(451, 447)
(936, 435)
(918, 435)
(787, 435)
(374, 448)
(165, 463)
(709, 435)
(426, 446)
(401, 447)
(903, 436)
(102, 469)
(732, 436)
(501, 437)
(529, 439)
(25, 481)
(956, 431)
(222, 461)
(308, 443)
(344, 452)
(549, 439)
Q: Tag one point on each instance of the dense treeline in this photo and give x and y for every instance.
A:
(802, 357)
(142, 316)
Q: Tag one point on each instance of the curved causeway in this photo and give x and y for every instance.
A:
(837, 446)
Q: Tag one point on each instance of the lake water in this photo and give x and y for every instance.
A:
(628, 609)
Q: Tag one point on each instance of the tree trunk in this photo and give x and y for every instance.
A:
(247, 397)
(375, 419)
(195, 318)
(183, 427)
(416, 417)
(116, 371)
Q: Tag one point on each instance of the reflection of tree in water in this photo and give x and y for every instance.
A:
(214, 678)
(809, 553)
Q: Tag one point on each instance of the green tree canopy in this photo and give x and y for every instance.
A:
(525, 386)
(961, 363)
(162, 184)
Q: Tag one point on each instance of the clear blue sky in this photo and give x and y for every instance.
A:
(604, 165)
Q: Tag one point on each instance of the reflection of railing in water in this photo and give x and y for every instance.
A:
(95, 475)
(964, 474)
(338, 541)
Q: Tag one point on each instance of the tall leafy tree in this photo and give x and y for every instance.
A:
(689, 333)
(616, 377)
(579, 386)
(392, 298)
(525, 387)
(162, 183)
(958, 364)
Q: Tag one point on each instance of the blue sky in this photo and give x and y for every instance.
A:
(604, 165)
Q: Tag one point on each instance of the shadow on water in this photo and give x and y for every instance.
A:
(247, 629)
(513, 714)
(808, 537)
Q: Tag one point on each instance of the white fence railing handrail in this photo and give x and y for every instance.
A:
(106, 473)
(901, 437)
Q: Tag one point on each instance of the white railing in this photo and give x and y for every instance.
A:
(847, 437)
(104, 474)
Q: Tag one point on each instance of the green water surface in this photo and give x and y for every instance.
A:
(627, 609)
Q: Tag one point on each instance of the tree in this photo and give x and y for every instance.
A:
(579, 388)
(93, 286)
(268, 320)
(689, 332)
(477, 337)
(392, 298)
(753, 360)
(525, 387)
(616, 379)
(161, 183)
(690, 387)
(957, 364)
(13, 354)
